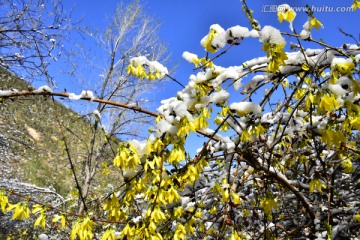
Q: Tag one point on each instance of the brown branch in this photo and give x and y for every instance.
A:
(249, 157)
(113, 103)
(318, 42)
(174, 79)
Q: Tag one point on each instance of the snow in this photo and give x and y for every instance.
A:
(271, 118)
(219, 97)
(254, 82)
(228, 73)
(272, 35)
(305, 34)
(164, 126)
(337, 90)
(43, 89)
(254, 33)
(190, 57)
(352, 47)
(118, 234)
(306, 25)
(43, 236)
(340, 61)
(8, 92)
(102, 126)
(140, 147)
(73, 96)
(219, 41)
(97, 114)
(201, 76)
(86, 94)
(154, 66)
(357, 58)
(246, 108)
(231, 34)
(238, 32)
(215, 27)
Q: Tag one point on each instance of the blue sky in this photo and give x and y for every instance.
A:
(186, 22)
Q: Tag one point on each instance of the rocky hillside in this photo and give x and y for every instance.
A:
(33, 159)
(31, 131)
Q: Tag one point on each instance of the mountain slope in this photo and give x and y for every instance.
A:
(31, 133)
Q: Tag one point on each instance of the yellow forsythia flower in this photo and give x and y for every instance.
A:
(215, 30)
(268, 204)
(127, 231)
(21, 211)
(82, 229)
(285, 12)
(141, 67)
(59, 217)
(356, 5)
(315, 23)
(316, 184)
(235, 236)
(180, 232)
(108, 235)
(3, 201)
(347, 166)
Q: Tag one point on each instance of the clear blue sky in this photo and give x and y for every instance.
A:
(185, 22)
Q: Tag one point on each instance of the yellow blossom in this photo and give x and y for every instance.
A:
(208, 39)
(198, 214)
(60, 217)
(355, 5)
(225, 195)
(235, 236)
(108, 235)
(276, 54)
(21, 210)
(180, 232)
(316, 184)
(176, 155)
(173, 195)
(285, 12)
(128, 231)
(178, 212)
(331, 137)
(127, 157)
(82, 229)
(213, 210)
(328, 103)
(268, 204)
(347, 166)
(41, 220)
(235, 198)
(3, 201)
(157, 215)
(315, 23)
(113, 207)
